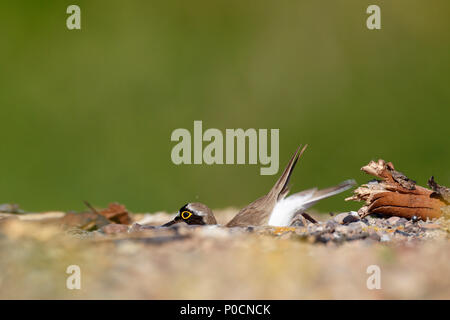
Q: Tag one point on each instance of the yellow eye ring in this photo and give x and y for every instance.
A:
(186, 215)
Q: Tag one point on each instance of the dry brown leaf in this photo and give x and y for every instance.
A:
(116, 213)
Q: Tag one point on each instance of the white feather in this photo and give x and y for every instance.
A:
(285, 209)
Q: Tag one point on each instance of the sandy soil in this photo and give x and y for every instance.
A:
(215, 262)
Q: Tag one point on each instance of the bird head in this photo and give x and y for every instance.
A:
(193, 214)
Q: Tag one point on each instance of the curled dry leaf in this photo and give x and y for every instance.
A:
(397, 195)
(116, 213)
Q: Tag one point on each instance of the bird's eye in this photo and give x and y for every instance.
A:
(186, 215)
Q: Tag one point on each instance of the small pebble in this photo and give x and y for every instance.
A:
(346, 218)
(393, 220)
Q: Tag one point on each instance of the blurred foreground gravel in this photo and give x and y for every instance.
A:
(324, 261)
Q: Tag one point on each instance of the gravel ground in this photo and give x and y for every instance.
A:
(328, 260)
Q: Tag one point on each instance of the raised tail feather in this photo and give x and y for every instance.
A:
(281, 189)
(317, 195)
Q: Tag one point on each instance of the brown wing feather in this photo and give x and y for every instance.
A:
(255, 214)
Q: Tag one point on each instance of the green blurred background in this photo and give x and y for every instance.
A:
(87, 114)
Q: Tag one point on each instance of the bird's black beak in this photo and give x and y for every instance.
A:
(175, 220)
